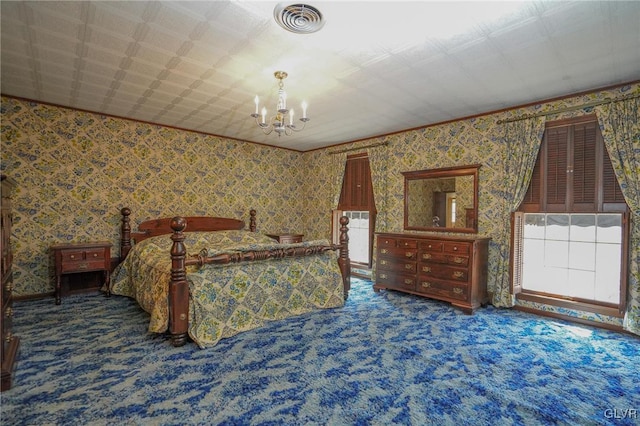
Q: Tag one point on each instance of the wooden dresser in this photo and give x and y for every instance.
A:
(9, 344)
(443, 267)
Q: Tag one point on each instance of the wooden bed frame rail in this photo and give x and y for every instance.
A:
(179, 286)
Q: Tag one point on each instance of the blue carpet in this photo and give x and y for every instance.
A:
(385, 358)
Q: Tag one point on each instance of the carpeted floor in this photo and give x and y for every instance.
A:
(385, 358)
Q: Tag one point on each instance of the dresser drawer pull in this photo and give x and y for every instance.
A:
(83, 266)
(458, 274)
(72, 257)
(8, 337)
(384, 262)
(408, 266)
(408, 281)
(426, 269)
(95, 254)
(408, 254)
(426, 256)
(8, 288)
(455, 248)
(457, 290)
(384, 251)
(458, 260)
(384, 276)
(426, 284)
(429, 246)
(8, 313)
(406, 243)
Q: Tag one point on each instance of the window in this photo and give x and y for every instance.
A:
(570, 237)
(358, 236)
(356, 202)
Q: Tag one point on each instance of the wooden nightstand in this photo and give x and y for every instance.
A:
(81, 257)
(287, 238)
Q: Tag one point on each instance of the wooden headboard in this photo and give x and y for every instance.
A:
(154, 227)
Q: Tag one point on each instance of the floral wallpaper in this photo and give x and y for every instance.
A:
(75, 170)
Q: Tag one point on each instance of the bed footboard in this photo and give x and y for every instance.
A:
(179, 286)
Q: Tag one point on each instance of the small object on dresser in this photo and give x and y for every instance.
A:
(81, 257)
(287, 238)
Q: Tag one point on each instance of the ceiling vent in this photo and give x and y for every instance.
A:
(298, 18)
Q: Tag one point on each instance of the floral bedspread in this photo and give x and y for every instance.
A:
(228, 299)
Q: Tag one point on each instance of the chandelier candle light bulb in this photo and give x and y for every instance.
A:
(278, 121)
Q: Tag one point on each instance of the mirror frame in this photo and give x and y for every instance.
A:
(447, 172)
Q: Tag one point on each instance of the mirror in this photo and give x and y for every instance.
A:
(444, 200)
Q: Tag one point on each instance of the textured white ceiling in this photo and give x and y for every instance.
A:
(375, 68)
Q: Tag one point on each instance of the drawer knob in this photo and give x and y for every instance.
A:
(458, 274)
(73, 256)
(406, 243)
(426, 269)
(457, 290)
(455, 248)
(95, 254)
(429, 245)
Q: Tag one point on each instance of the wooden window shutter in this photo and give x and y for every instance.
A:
(357, 190)
(556, 166)
(516, 255)
(583, 170)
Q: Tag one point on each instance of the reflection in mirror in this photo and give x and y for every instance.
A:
(441, 199)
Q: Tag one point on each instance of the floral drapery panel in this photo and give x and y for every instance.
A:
(620, 126)
(338, 162)
(378, 157)
(521, 141)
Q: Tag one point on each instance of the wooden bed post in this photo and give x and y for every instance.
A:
(252, 220)
(125, 231)
(178, 286)
(343, 258)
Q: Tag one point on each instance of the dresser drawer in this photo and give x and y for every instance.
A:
(396, 280)
(7, 319)
(456, 248)
(438, 288)
(7, 287)
(448, 259)
(397, 265)
(444, 272)
(396, 242)
(431, 246)
(398, 253)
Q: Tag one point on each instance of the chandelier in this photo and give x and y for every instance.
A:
(278, 122)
